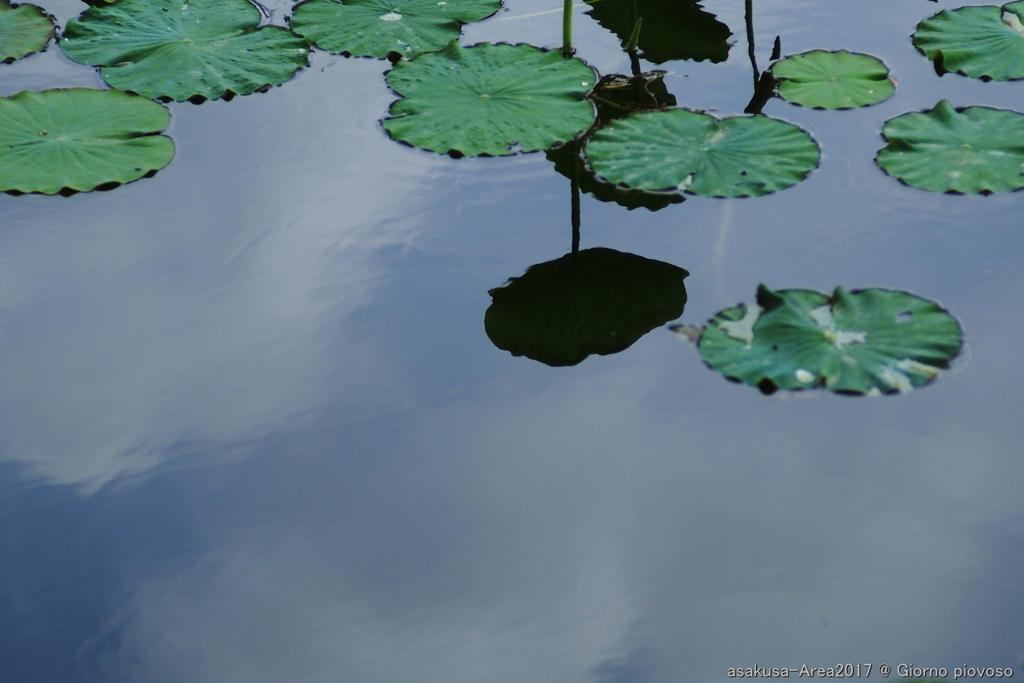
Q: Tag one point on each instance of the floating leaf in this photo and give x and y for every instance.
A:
(568, 161)
(984, 42)
(679, 150)
(490, 99)
(375, 28)
(593, 301)
(976, 150)
(862, 342)
(24, 29)
(833, 80)
(196, 49)
(671, 29)
(78, 139)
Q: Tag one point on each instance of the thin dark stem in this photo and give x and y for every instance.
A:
(575, 203)
(749, 4)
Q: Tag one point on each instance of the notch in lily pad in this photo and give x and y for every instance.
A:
(863, 342)
(24, 29)
(833, 80)
(972, 150)
(984, 42)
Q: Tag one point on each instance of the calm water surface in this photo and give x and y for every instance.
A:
(251, 428)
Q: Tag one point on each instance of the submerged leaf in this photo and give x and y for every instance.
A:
(24, 29)
(871, 341)
(833, 80)
(79, 139)
(679, 150)
(197, 49)
(593, 301)
(984, 42)
(490, 99)
(976, 150)
(375, 28)
(671, 29)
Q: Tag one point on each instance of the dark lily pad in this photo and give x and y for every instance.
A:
(376, 28)
(196, 49)
(671, 29)
(490, 99)
(78, 139)
(872, 341)
(976, 150)
(833, 80)
(984, 42)
(24, 29)
(679, 150)
(593, 301)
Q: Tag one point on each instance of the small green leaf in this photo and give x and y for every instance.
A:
(976, 150)
(79, 139)
(375, 28)
(985, 42)
(872, 341)
(24, 29)
(833, 80)
(679, 150)
(593, 301)
(490, 99)
(196, 49)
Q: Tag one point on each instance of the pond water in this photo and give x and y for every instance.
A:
(251, 427)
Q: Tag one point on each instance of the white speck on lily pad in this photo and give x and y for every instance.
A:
(803, 376)
(391, 16)
(741, 330)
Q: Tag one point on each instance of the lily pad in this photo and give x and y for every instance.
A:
(976, 150)
(376, 28)
(79, 139)
(671, 29)
(490, 99)
(871, 341)
(593, 301)
(196, 49)
(984, 42)
(24, 29)
(833, 80)
(679, 150)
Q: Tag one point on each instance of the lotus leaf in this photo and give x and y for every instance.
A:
(375, 28)
(196, 49)
(671, 29)
(679, 150)
(976, 150)
(984, 42)
(833, 80)
(78, 139)
(592, 301)
(872, 341)
(24, 29)
(490, 99)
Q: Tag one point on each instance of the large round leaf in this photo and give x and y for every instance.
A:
(671, 29)
(375, 28)
(79, 139)
(196, 49)
(24, 29)
(593, 301)
(833, 80)
(981, 42)
(976, 150)
(862, 342)
(490, 99)
(679, 150)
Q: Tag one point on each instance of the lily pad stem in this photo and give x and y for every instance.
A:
(567, 49)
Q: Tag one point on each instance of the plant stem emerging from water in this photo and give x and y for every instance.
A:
(567, 50)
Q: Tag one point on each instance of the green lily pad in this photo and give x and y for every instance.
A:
(833, 80)
(679, 150)
(671, 29)
(79, 139)
(976, 150)
(872, 341)
(490, 99)
(984, 42)
(593, 301)
(196, 49)
(24, 29)
(376, 28)
(569, 162)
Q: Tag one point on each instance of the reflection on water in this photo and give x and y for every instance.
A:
(253, 428)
